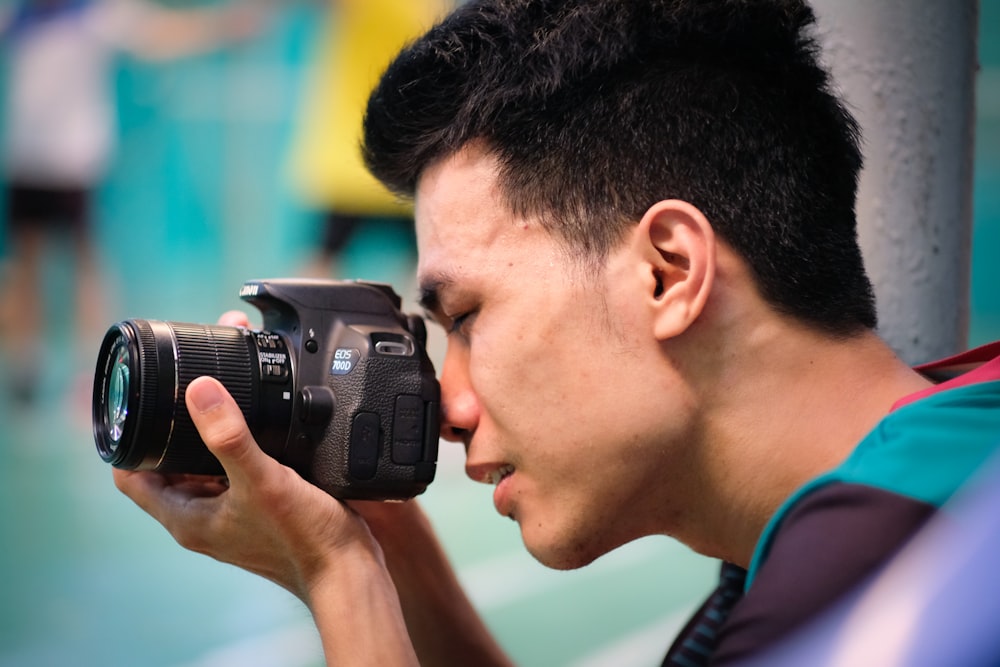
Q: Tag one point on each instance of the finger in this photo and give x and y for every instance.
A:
(225, 432)
(148, 484)
(198, 486)
(166, 500)
(186, 508)
(143, 488)
(235, 318)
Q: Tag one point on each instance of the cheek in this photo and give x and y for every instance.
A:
(530, 368)
(560, 375)
(553, 395)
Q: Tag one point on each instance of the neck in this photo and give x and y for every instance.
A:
(794, 405)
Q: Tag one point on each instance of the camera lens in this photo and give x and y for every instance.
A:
(117, 401)
(140, 418)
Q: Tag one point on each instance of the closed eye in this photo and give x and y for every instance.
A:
(460, 323)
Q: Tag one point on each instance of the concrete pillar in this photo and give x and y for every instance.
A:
(907, 70)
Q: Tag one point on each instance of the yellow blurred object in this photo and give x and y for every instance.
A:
(359, 40)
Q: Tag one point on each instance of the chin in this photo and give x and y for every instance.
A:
(562, 554)
(559, 561)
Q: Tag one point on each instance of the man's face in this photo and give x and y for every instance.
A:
(551, 378)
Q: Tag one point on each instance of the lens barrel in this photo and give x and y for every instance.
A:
(140, 419)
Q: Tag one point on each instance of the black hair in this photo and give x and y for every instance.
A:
(597, 109)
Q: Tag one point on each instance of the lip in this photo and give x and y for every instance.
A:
(499, 475)
(503, 496)
(487, 473)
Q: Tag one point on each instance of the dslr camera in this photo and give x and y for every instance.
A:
(337, 385)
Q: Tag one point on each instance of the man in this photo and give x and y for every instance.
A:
(636, 222)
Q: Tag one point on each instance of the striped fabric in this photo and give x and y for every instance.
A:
(696, 642)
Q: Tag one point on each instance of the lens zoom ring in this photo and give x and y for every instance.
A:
(220, 352)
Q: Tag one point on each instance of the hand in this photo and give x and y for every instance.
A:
(266, 519)
(382, 518)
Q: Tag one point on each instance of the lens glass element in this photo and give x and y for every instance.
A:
(118, 386)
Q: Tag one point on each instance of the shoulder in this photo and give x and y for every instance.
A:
(833, 539)
(924, 451)
(841, 528)
(928, 449)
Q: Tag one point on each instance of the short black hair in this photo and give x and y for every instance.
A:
(597, 109)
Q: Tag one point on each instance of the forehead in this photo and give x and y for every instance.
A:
(461, 220)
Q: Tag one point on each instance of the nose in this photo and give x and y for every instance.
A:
(459, 403)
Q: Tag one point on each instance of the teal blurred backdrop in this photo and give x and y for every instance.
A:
(197, 201)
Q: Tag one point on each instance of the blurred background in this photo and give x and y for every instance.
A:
(200, 188)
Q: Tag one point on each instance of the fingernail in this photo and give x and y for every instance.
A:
(205, 396)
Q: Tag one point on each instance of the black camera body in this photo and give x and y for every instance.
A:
(337, 385)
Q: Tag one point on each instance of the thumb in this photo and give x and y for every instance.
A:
(223, 428)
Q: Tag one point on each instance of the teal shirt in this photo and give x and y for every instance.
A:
(925, 450)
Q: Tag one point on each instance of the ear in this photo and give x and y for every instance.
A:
(678, 246)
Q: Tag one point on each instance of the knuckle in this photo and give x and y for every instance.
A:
(225, 434)
(121, 481)
(273, 491)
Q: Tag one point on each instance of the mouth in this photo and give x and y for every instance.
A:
(494, 477)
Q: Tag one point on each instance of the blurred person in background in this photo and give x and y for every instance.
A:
(354, 46)
(59, 138)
